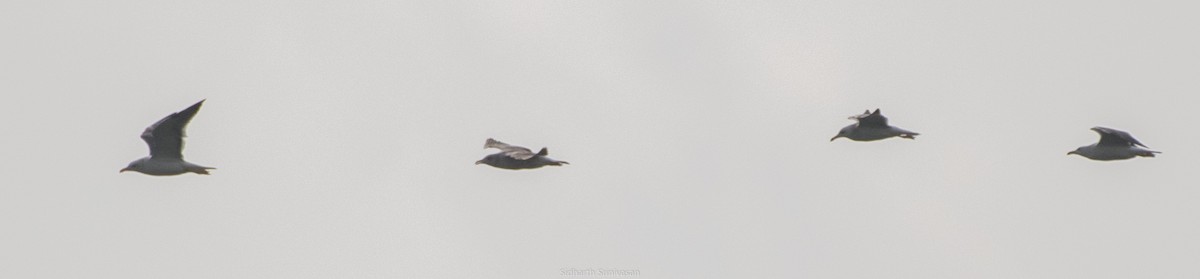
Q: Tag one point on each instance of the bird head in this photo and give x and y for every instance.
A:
(843, 133)
(486, 160)
(135, 165)
(1076, 151)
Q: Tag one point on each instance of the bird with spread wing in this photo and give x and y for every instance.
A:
(515, 157)
(872, 126)
(1113, 145)
(165, 139)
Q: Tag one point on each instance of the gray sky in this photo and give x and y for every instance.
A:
(344, 134)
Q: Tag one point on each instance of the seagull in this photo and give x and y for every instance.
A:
(872, 126)
(165, 139)
(515, 157)
(1114, 145)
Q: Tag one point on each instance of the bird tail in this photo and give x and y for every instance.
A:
(1148, 153)
(544, 152)
(199, 169)
(558, 163)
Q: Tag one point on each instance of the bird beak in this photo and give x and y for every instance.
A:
(835, 137)
(479, 162)
(123, 170)
(1072, 152)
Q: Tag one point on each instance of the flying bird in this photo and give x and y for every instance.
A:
(165, 139)
(872, 126)
(515, 157)
(1114, 145)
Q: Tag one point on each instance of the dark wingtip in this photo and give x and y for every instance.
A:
(543, 152)
(186, 114)
(194, 107)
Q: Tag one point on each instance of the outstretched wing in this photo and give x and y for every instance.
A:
(165, 137)
(516, 152)
(1115, 137)
(873, 119)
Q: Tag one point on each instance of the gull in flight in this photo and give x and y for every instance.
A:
(165, 139)
(515, 157)
(1114, 145)
(872, 126)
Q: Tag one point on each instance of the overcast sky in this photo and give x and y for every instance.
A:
(344, 135)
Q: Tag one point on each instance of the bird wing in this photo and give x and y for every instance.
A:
(165, 137)
(1109, 136)
(869, 118)
(516, 152)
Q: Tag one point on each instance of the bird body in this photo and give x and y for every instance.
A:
(165, 139)
(1113, 145)
(515, 157)
(869, 133)
(164, 167)
(872, 126)
(1110, 153)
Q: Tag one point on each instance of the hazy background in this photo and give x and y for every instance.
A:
(344, 133)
